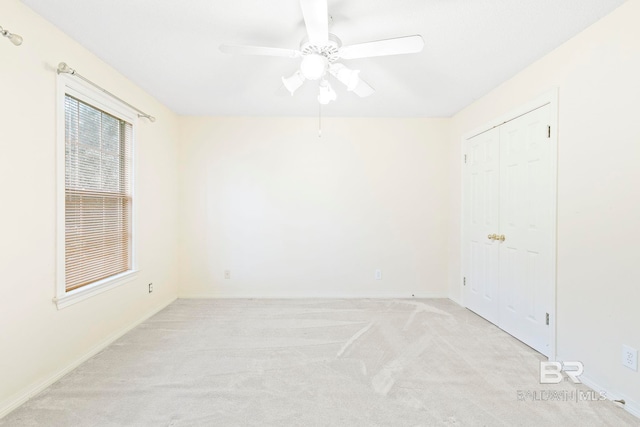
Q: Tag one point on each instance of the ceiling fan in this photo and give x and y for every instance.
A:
(320, 51)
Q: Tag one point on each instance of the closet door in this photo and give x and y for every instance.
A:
(481, 221)
(526, 279)
(509, 212)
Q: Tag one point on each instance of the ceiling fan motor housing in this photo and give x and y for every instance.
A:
(316, 57)
(330, 49)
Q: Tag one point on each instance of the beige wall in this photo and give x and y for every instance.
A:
(598, 291)
(36, 340)
(294, 215)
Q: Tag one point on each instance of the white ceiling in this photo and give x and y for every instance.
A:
(170, 49)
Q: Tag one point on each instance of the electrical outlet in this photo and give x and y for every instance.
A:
(378, 274)
(630, 357)
(150, 287)
(227, 274)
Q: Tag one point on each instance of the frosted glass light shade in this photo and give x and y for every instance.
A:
(326, 94)
(294, 82)
(350, 78)
(314, 66)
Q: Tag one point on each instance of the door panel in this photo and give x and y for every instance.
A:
(526, 275)
(481, 216)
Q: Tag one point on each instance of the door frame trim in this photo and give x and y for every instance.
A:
(549, 98)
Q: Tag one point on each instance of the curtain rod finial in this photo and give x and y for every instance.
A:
(146, 116)
(14, 38)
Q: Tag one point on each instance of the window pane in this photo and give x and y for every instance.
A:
(89, 126)
(110, 134)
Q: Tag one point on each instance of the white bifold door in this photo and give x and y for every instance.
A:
(509, 227)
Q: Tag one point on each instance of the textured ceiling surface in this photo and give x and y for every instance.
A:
(170, 49)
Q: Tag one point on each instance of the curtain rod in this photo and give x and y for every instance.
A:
(63, 68)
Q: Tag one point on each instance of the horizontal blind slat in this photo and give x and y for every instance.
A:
(84, 253)
(93, 267)
(94, 270)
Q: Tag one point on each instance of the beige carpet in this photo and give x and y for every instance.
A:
(314, 363)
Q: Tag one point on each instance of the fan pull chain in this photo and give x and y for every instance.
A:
(319, 120)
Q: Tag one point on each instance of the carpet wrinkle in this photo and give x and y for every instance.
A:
(420, 307)
(311, 363)
(387, 376)
(354, 338)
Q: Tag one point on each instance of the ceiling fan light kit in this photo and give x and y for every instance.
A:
(320, 50)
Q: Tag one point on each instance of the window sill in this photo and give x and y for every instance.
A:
(81, 294)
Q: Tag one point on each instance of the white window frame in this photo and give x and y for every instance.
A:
(68, 85)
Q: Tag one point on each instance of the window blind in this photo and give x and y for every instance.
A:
(97, 194)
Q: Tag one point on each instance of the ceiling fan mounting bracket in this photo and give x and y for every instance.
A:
(330, 49)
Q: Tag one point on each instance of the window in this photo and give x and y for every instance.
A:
(95, 224)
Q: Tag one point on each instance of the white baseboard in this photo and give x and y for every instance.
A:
(442, 295)
(630, 405)
(23, 396)
(456, 300)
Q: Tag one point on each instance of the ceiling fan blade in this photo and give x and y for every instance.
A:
(363, 89)
(316, 19)
(397, 46)
(260, 50)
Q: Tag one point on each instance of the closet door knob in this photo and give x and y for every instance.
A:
(501, 238)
